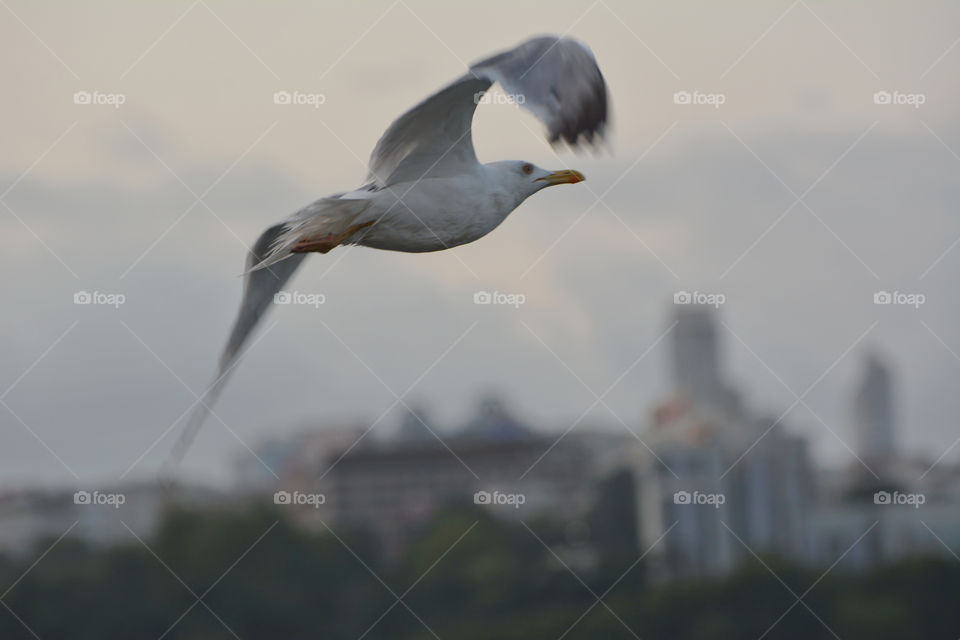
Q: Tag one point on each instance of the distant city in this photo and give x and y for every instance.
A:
(703, 485)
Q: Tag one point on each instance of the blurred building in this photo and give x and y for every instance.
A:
(696, 361)
(99, 516)
(752, 478)
(860, 500)
(859, 534)
(873, 413)
(392, 487)
(291, 459)
(755, 488)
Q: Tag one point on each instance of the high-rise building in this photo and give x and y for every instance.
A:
(873, 412)
(696, 360)
(719, 478)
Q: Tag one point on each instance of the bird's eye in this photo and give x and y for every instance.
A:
(528, 169)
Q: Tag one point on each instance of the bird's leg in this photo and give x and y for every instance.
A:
(323, 244)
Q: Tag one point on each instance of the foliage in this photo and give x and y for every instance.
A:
(466, 575)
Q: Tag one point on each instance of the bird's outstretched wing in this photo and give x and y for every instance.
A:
(259, 288)
(557, 79)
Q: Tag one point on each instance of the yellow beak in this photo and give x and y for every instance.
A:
(566, 176)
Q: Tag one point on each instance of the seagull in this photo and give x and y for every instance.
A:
(426, 190)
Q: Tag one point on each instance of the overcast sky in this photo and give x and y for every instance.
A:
(797, 198)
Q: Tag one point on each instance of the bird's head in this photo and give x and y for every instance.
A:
(529, 178)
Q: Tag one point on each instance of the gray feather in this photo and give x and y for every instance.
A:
(259, 288)
(557, 79)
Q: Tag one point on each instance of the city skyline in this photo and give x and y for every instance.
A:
(704, 380)
(722, 480)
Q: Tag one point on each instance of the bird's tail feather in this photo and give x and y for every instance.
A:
(259, 288)
(325, 217)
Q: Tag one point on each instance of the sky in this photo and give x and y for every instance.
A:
(795, 158)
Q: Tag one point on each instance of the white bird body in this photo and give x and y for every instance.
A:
(427, 215)
(426, 190)
(421, 215)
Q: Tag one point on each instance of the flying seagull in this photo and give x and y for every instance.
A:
(426, 191)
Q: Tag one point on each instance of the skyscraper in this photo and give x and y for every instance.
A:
(873, 412)
(696, 359)
(703, 442)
